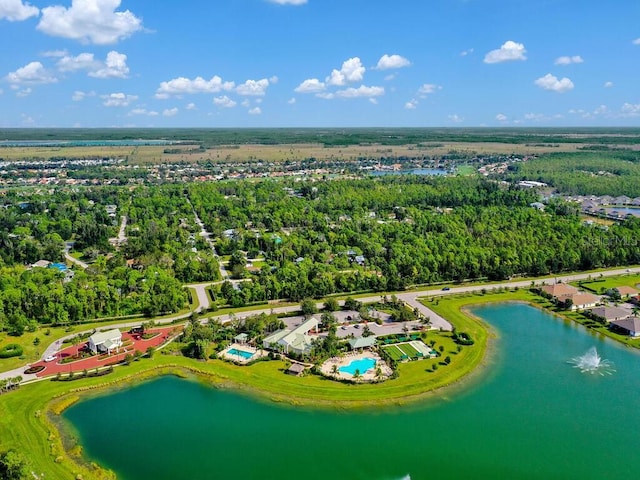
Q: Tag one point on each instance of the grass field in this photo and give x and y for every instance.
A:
(604, 284)
(278, 153)
(394, 352)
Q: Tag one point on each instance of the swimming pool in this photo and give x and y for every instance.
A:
(363, 365)
(241, 353)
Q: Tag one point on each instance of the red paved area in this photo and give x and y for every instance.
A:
(130, 342)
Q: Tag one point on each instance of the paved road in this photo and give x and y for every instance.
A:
(207, 236)
(409, 297)
(122, 238)
(68, 246)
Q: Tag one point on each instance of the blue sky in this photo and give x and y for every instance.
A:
(319, 63)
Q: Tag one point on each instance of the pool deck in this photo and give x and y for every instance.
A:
(369, 376)
(238, 358)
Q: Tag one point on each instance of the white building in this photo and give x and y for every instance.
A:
(293, 341)
(105, 342)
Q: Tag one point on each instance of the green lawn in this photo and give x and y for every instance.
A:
(604, 284)
(394, 352)
(409, 350)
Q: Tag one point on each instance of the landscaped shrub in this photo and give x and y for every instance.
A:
(11, 350)
(463, 338)
(32, 370)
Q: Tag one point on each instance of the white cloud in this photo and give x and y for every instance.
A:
(352, 71)
(118, 99)
(191, 106)
(246, 103)
(274, 79)
(428, 88)
(224, 102)
(255, 111)
(569, 60)
(361, 91)
(630, 109)
(552, 83)
(79, 95)
(455, 118)
(115, 66)
(25, 92)
(84, 61)
(311, 85)
(17, 10)
(387, 62)
(253, 87)
(55, 53)
(534, 116)
(31, 73)
(509, 51)
(182, 85)
(466, 52)
(636, 41)
(411, 104)
(291, 101)
(90, 21)
(170, 112)
(601, 110)
(501, 117)
(289, 2)
(608, 84)
(143, 111)
(389, 77)
(325, 95)
(374, 101)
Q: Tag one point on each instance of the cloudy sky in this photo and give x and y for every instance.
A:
(308, 63)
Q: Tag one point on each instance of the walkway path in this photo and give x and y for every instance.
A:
(411, 298)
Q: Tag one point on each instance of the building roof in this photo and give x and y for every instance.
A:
(42, 263)
(610, 313)
(296, 368)
(241, 337)
(559, 289)
(583, 299)
(624, 290)
(102, 337)
(362, 342)
(307, 326)
(277, 336)
(631, 324)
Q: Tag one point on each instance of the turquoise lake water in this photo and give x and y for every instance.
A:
(530, 415)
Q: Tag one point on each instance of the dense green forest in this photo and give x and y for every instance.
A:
(584, 173)
(307, 238)
(334, 136)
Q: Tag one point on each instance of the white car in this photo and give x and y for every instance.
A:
(51, 358)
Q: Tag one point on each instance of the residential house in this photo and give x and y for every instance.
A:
(559, 289)
(580, 301)
(626, 292)
(630, 326)
(610, 314)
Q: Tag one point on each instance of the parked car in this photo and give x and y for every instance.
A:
(50, 358)
(446, 289)
(357, 325)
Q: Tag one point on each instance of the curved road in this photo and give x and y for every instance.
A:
(411, 298)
